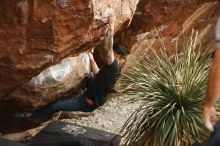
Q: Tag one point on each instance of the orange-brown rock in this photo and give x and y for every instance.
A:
(54, 82)
(35, 34)
(170, 20)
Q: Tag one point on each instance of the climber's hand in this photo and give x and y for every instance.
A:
(209, 117)
(92, 50)
(90, 56)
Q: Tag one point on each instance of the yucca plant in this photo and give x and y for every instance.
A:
(172, 87)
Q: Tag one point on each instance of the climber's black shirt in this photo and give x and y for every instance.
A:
(102, 83)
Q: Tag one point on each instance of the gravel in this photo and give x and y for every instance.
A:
(110, 117)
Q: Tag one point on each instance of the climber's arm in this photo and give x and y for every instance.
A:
(94, 66)
(108, 41)
(213, 92)
(19, 136)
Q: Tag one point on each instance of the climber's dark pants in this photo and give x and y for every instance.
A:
(73, 104)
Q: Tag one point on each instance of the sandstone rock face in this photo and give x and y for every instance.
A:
(35, 34)
(53, 82)
(171, 21)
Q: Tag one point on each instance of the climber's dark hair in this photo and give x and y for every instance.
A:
(120, 49)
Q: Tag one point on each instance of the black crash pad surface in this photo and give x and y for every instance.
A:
(68, 134)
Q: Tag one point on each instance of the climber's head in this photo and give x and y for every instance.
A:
(119, 50)
(120, 53)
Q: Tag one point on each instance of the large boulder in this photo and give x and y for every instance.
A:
(35, 34)
(171, 21)
(54, 82)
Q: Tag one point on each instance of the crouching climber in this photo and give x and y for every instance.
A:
(97, 86)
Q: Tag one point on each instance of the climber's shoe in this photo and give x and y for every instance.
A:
(22, 115)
